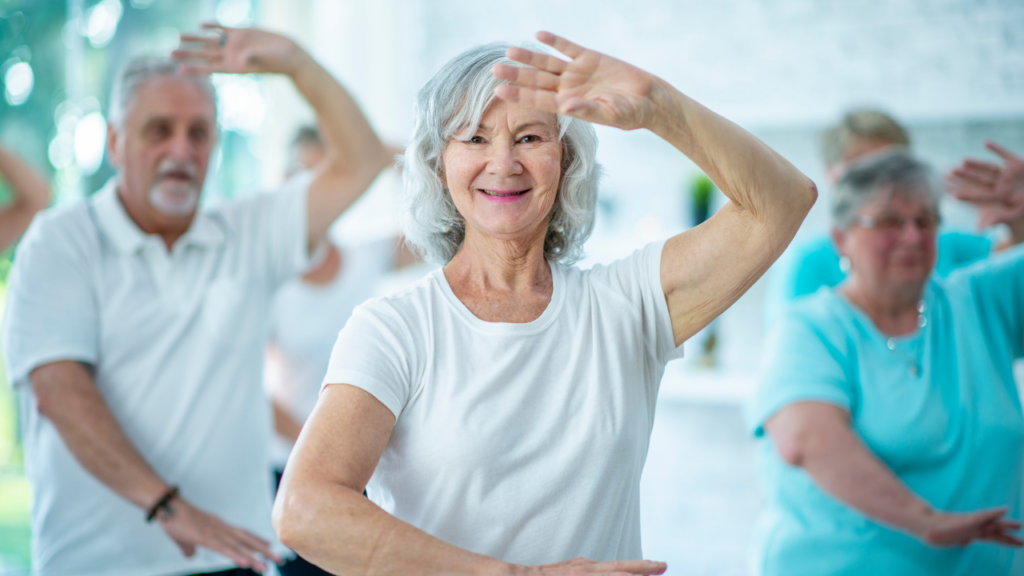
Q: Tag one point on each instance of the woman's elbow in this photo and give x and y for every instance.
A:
(810, 194)
(292, 516)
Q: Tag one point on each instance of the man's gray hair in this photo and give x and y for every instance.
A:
(455, 100)
(137, 72)
(894, 173)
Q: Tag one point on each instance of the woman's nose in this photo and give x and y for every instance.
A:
(504, 159)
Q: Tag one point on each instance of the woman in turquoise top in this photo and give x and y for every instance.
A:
(896, 433)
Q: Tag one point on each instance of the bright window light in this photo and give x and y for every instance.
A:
(18, 83)
(90, 141)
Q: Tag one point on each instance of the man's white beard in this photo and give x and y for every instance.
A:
(174, 198)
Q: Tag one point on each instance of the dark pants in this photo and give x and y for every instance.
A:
(296, 567)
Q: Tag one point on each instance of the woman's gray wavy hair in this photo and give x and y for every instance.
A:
(454, 100)
(895, 172)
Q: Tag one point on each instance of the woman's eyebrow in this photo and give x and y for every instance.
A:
(526, 125)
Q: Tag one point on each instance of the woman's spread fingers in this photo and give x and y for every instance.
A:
(1000, 151)
(527, 77)
(537, 60)
(1004, 539)
(977, 175)
(982, 166)
(561, 44)
(1010, 524)
(539, 99)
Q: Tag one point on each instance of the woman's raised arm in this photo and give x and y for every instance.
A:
(706, 269)
(817, 437)
(320, 511)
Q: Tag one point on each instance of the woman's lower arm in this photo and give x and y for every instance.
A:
(338, 529)
(817, 438)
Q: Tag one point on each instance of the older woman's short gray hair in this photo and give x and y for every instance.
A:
(894, 173)
(455, 100)
(137, 72)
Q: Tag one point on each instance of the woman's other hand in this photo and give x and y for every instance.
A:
(239, 51)
(948, 530)
(997, 191)
(582, 567)
(592, 86)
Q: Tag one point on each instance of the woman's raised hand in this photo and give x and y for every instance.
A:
(238, 51)
(997, 191)
(592, 86)
(583, 567)
(947, 530)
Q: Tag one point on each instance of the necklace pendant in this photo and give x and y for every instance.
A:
(914, 371)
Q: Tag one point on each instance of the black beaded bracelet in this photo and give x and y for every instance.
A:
(164, 503)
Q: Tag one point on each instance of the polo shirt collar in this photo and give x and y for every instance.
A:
(126, 235)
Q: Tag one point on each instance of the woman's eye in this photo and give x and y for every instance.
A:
(529, 139)
(476, 140)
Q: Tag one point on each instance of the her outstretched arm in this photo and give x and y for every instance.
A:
(29, 192)
(706, 269)
(817, 437)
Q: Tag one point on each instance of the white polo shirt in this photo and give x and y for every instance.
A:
(176, 343)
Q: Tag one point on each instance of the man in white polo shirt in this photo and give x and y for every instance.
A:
(136, 324)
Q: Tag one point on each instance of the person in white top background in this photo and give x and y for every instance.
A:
(309, 311)
(498, 411)
(136, 324)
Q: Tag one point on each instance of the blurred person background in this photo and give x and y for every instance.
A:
(787, 70)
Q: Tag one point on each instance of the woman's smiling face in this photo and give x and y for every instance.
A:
(504, 177)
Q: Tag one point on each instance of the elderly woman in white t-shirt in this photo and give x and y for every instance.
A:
(498, 411)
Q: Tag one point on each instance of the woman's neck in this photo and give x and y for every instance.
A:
(894, 312)
(501, 280)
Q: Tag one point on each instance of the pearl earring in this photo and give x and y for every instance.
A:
(844, 264)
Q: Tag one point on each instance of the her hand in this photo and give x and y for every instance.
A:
(582, 567)
(998, 191)
(947, 530)
(239, 51)
(592, 86)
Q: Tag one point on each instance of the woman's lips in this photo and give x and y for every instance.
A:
(503, 195)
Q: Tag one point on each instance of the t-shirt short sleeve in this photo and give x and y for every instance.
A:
(638, 279)
(997, 286)
(51, 310)
(375, 351)
(806, 361)
(273, 229)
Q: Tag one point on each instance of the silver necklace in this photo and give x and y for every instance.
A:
(914, 359)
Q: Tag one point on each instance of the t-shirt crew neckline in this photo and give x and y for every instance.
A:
(861, 317)
(524, 328)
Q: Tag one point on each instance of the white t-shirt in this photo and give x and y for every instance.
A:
(305, 321)
(520, 441)
(176, 343)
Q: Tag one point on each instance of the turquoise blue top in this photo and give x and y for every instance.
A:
(954, 434)
(816, 263)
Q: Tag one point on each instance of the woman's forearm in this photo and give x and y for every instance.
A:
(338, 529)
(817, 438)
(846, 469)
(748, 172)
